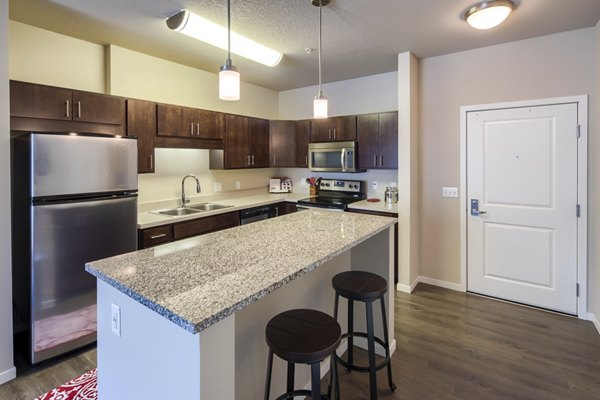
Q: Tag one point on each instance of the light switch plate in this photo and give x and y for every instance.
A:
(374, 185)
(449, 192)
(238, 185)
(115, 319)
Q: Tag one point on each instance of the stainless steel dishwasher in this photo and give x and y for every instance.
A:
(256, 214)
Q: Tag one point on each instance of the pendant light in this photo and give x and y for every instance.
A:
(320, 102)
(229, 77)
(488, 14)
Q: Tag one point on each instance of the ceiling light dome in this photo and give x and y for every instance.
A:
(488, 14)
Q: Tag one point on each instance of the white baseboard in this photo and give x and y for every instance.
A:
(406, 288)
(437, 282)
(8, 375)
(592, 317)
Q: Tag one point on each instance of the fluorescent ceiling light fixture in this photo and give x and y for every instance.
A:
(202, 29)
(488, 14)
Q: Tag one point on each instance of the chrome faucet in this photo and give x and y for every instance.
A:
(185, 200)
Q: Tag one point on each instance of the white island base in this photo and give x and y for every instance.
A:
(153, 358)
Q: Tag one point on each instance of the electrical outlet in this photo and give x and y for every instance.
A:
(217, 187)
(374, 185)
(115, 319)
(238, 185)
(449, 192)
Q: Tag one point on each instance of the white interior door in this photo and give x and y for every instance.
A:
(522, 170)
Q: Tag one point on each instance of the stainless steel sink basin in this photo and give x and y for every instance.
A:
(175, 212)
(193, 209)
(207, 206)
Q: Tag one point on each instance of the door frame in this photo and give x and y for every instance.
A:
(582, 184)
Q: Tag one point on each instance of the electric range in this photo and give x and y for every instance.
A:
(335, 194)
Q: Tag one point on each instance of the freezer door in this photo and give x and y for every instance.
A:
(77, 164)
(63, 295)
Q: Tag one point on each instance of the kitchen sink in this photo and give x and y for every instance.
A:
(193, 209)
(207, 206)
(175, 212)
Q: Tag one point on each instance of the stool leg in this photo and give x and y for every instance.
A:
(335, 306)
(387, 344)
(350, 330)
(290, 376)
(269, 370)
(371, 347)
(315, 381)
(334, 378)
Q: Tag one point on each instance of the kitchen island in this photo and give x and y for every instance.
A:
(192, 313)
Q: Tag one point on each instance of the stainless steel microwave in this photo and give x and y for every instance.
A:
(333, 157)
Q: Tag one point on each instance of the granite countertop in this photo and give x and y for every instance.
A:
(380, 206)
(199, 281)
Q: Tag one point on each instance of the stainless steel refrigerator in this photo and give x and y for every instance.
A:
(74, 201)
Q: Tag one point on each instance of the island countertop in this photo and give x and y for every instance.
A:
(199, 281)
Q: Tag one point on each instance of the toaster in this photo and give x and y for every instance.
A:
(280, 185)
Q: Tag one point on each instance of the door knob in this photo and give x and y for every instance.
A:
(475, 211)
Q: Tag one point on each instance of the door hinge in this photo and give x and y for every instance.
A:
(578, 210)
(577, 290)
(578, 131)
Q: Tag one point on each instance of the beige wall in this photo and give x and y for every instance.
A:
(7, 370)
(549, 66)
(41, 56)
(594, 187)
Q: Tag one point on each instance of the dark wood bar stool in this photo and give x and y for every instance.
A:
(367, 288)
(303, 336)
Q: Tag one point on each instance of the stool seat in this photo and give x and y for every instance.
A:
(303, 336)
(359, 285)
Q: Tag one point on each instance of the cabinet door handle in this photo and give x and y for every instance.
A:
(381, 160)
(253, 160)
(68, 108)
(158, 236)
(334, 133)
(274, 160)
(192, 128)
(277, 211)
(151, 161)
(248, 162)
(374, 160)
(329, 133)
(198, 128)
(78, 109)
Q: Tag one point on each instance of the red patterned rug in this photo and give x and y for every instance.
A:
(84, 387)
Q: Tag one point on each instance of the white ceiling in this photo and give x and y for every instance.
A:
(360, 37)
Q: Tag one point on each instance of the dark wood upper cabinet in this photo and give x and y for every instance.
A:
(258, 142)
(39, 101)
(302, 139)
(283, 143)
(176, 121)
(378, 140)
(141, 123)
(236, 149)
(94, 112)
(336, 129)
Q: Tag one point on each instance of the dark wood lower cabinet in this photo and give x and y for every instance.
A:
(204, 225)
(385, 214)
(284, 208)
(154, 236)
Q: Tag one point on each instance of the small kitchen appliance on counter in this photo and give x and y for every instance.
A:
(335, 194)
(280, 185)
(391, 194)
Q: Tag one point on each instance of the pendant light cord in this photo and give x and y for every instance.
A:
(229, 31)
(320, 43)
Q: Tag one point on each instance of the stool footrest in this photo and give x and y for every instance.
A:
(359, 368)
(297, 393)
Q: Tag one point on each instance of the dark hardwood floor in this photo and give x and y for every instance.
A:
(450, 345)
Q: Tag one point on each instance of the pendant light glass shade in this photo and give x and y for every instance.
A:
(320, 107)
(488, 14)
(229, 77)
(229, 83)
(320, 101)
